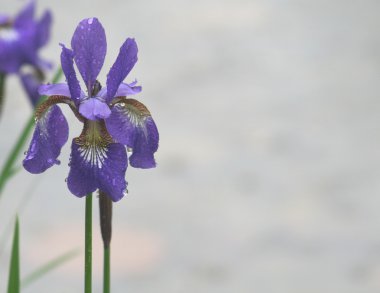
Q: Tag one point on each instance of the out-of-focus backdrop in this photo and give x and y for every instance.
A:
(269, 160)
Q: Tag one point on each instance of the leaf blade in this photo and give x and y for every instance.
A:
(49, 266)
(14, 268)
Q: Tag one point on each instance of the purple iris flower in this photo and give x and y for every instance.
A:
(20, 39)
(112, 122)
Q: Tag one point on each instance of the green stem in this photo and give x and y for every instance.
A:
(106, 270)
(88, 246)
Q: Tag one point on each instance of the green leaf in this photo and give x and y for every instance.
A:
(48, 267)
(8, 169)
(14, 268)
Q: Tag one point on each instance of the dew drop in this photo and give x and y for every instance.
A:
(25, 153)
(66, 179)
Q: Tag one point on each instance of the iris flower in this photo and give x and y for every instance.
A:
(112, 122)
(20, 39)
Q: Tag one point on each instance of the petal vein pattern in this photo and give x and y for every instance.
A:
(50, 135)
(131, 124)
(97, 162)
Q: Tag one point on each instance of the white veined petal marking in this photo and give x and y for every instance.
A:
(94, 155)
(43, 122)
(136, 113)
(93, 143)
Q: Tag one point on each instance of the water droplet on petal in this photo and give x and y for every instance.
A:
(66, 179)
(25, 153)
(57, 162)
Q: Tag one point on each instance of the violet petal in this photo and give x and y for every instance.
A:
(89, 46)
(55, 89)
(50, 135)
(11, 54)
(139, 132)
(127, 90)
(43, 29)
(71, 77)
(94, 109)
(123, 65)
(145, 145)
(26, 15)
(90, 170)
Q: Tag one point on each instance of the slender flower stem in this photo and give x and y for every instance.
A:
(88, 246)
(106, 270)
(105, 211)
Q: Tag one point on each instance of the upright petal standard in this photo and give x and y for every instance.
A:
(111, 120)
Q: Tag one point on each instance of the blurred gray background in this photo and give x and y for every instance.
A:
(269, 159)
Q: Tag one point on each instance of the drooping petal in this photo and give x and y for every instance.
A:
(125, 90)
(71, 77)
(82, 179)
(50, 135)
(131, 124)
(145, 145)
(123, 65)
(43, 29)
(97, 164)
(94, 109)
(112, 174)
(31, 84)
(11, 54)
(89, 46)
(25, 16)
(27, 45)
(58, 89)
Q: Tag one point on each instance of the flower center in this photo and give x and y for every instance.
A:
(93, 142)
